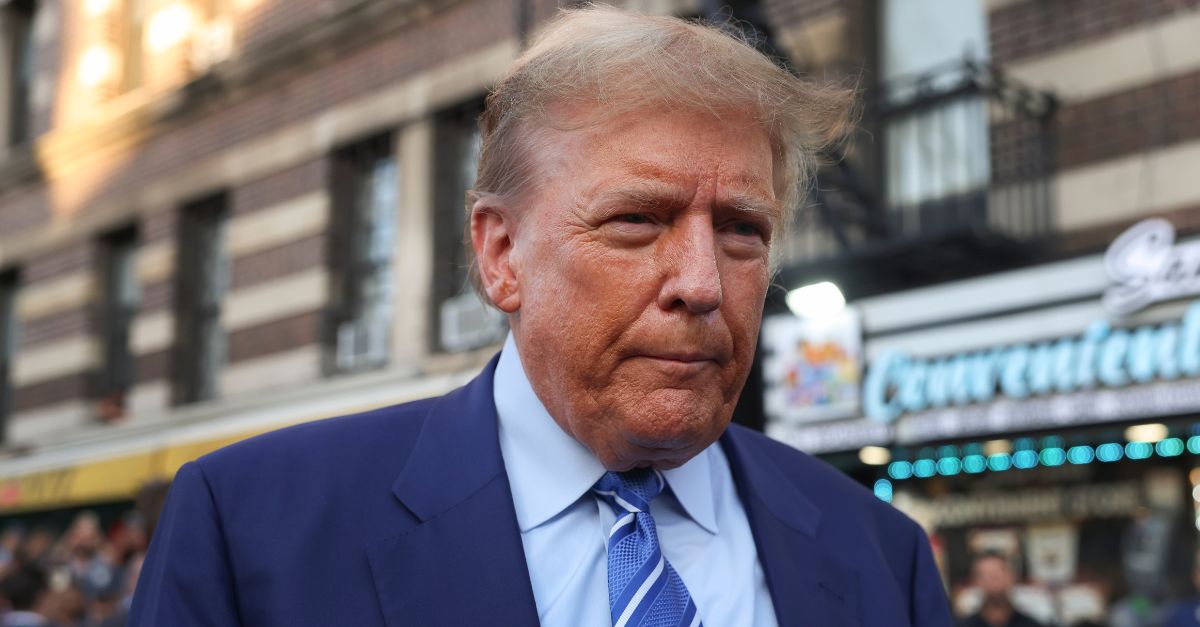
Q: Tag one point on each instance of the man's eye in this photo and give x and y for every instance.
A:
(747, 229)
(634, 218)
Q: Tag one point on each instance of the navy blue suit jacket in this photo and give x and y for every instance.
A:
(403, 516)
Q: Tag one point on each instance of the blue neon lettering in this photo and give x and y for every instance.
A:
(1189, 345)
(897, 383)
(881, 377)
(1112, 358)
(1166, 351)
(1012, 378)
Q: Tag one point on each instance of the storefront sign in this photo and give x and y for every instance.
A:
(835, 435)
(1042, 504)
(1165, 398)
(1101, 357)
(812, 368)
(1147, 266)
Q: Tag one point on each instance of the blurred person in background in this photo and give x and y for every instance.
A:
(1187, 613)
(10, 545)
(39, 548)
(64, 606)
(994, 577)
(24, 588)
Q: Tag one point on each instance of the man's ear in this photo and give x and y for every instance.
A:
(493, 227)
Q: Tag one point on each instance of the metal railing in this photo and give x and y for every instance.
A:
(964, 151)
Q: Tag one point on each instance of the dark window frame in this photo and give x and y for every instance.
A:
(364, 186)
(10, 283)
(117, 309)
(456, 133)
(201, 282)
(20, 58)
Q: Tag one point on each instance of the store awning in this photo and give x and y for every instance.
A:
(116, 468)
(114, 479)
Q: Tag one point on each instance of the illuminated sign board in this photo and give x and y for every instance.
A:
(812, 369)
(1104, 372)
(1146, 266)
(1100, 357)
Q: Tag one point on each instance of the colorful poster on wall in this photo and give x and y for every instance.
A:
(812, 369)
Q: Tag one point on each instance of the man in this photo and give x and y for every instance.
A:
(993, 575)
(634, 174)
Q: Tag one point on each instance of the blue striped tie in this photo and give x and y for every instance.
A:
(643, 589)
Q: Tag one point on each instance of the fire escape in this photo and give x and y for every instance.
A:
(952, 180)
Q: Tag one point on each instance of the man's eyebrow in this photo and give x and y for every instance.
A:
(752, 203)
(646, 196)
(652, 196)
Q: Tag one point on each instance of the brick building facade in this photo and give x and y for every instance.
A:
(210, 208)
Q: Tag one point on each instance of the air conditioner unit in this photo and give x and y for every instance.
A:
(362, 343)
(468, 323)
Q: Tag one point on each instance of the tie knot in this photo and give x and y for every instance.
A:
(631, 490)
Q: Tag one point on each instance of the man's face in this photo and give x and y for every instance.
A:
(641, 266)
(994, 577)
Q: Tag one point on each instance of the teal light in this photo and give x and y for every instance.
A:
(900, 470)
(1109, 452)
(999, 462)
(1022, 444)
(1025, 459)
(1193, 445)
(1081, 455)
(1170, 447)
(949, 466)
(948, 450)
(1053, 456)
(924, 468)
(974, 463)
(1138, 450)
(974, 448)
(883, 490)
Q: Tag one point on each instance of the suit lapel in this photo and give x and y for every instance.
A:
(463, 562)
(808, 584)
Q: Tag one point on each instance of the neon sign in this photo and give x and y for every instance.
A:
(1101, 357)
(1146, 266)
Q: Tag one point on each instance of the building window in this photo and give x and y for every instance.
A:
(935, 149)
(8, 344)
(18, 22)
(364, 183)
(461, 320)
(119, 305)
(201, 280)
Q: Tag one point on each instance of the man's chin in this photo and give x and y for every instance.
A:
(664, 452)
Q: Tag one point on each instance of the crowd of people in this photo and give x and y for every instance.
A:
(83, 577)
(993, 577)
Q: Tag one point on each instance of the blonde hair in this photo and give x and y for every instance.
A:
(614, 62)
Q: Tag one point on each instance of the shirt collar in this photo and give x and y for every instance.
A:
(548, 470)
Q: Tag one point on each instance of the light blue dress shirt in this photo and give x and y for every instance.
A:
(702, 528)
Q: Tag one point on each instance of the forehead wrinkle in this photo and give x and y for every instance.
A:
(648, 170)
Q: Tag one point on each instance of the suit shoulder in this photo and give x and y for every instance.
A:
(830, 489)
(393, 428)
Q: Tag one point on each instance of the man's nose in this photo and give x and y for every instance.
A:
(693, 275)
